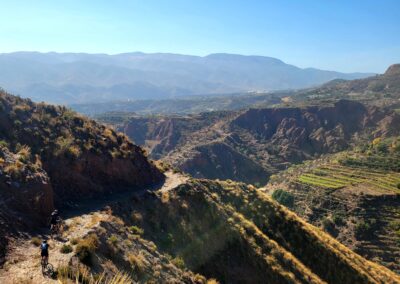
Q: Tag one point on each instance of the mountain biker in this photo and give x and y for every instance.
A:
(54, 219)
(44, 251)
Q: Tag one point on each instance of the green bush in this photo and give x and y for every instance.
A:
(66, 249)
(338, 219)
(3, 143)
(136, 230)
(328, 225)
(113, 240)
(364, 227)
(283, 197)
(178, 262)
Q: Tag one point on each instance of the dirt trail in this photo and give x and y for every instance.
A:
(23, 259)
(172, 181)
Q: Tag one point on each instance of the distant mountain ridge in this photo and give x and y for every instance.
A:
(83, 78)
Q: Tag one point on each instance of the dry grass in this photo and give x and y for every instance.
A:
(81, 274)
(36, 241)
(137, 262)
(165, 197)
(95, 219)
(86, 247)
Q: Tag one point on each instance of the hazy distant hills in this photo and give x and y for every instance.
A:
(86, 78)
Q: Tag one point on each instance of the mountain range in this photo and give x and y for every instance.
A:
(68, 78)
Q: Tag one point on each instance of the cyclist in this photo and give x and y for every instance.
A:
(44, 252)
(54, 220)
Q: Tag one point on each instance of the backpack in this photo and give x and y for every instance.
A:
(44, 247)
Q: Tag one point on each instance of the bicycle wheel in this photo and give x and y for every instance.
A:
(49, 268)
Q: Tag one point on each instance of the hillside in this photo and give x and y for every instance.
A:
(70, 78)
(252, 144)
(50, 156)
(380, 90)
(199, 229)
(354, 196)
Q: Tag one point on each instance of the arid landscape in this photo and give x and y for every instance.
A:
(215, 155)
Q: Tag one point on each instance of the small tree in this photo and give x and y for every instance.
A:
(283, 197)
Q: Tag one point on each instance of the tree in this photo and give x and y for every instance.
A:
(283, 197)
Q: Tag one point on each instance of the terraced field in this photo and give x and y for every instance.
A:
(335, 176)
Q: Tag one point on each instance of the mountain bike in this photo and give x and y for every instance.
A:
(57, 229)
(47, 268)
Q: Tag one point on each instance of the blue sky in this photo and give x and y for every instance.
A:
(352, 35)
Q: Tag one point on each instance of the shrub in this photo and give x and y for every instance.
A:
(136, 217)
(113, 240)
(3, 143)
(328, 225)
(36, 241)
(179, 262)
(136, 230)
(363, 228)
(136, 262)
(283, 197)
(338, 219)
(24, 153)
(398, 185)
(73, 152)
(66, 249)
(14, 170)
(86, 247)
(382, 147)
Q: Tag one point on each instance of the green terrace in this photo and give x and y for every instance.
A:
(335, 176)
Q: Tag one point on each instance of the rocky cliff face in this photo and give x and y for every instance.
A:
(300, 133)
(264, 140)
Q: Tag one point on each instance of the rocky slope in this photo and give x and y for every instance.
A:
(354, 196)
(252, 144)
(50, 156)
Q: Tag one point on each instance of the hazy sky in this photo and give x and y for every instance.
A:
(343, 35)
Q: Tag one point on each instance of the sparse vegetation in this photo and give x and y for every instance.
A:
(86, 247)
(66, 249)
(36, 241)
(179, 262)
(137, 262)
(136, 230)
(113, 240)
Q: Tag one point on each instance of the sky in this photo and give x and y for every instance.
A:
(340, 35)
